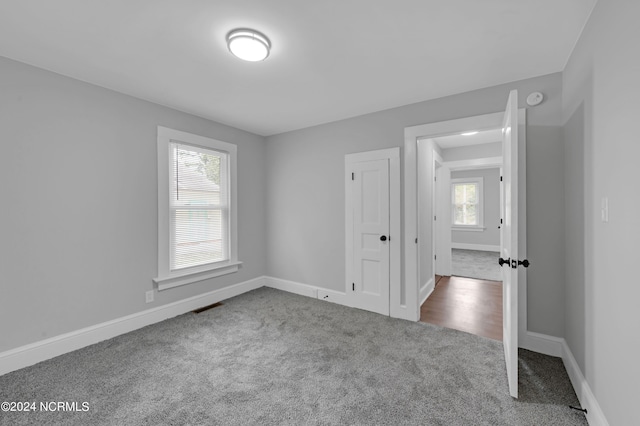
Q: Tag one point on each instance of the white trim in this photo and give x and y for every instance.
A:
(542, 343)
(478, 247)
(587, 399)
(314, 292)
(426, 290)
(522, 221)
(189, 277)
(395, 262)
(558, 347)
(33, 353)
(437, 164)
(443, 230)
(292, 287)
(468, 228)
(167, 278)
(334, 297)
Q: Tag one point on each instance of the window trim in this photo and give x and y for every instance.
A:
(167, 278)
(479, 181)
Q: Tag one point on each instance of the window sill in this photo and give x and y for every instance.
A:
(468, 228)
(188, 277)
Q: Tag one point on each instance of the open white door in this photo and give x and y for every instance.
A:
(509, 249)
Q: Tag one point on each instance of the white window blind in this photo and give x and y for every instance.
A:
(199, 206)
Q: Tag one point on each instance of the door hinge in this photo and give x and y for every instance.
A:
(435, 257)
(500, 178)
(435, 179)
(434, 217)
(416, 241)
(500, 221)
(353, 286)
(353, 176)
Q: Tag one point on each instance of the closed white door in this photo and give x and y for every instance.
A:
(509, 249)
(371, 240)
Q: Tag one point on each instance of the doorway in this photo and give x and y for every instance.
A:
(466, 226)
(512, 124)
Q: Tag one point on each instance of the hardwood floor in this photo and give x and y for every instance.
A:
(466, 304)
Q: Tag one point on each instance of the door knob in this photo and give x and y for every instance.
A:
(502, 262)
(383, 238)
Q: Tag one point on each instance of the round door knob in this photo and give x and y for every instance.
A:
(383, 238)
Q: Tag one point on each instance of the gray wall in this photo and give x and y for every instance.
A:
(79, 194)
(601, 110)
(472, 152)
(491, 194)
(305, 206)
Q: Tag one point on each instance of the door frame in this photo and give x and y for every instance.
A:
(395, 235)
(438, 164)
(410, 310)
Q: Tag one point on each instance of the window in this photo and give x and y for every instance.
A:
(196, 208)
(466, 197)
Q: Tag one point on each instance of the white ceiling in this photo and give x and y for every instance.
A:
(459, 140)
(330, 60)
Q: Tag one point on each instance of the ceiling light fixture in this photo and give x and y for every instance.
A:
(248, 45)
(469, 133)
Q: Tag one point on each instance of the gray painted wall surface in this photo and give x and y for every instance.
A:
(305, 206)
(79, 193)
(491, 194)
(472, 152)
(601, 110)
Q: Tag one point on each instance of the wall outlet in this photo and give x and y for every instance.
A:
(149, 296)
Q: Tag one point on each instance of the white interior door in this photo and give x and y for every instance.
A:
(509, 249)
(371, 239)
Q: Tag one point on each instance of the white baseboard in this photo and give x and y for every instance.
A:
(292, 287)
(334, 297)
(33, 353)
(480, 247)
(309, 291)
(543, 344)
(557, 346)
(587, 399)
(426, 290)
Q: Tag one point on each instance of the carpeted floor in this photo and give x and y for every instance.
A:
(476, 264)
(269, 358)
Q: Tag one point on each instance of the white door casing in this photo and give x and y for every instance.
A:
(372, 183)
(509, 248)
(443, 212)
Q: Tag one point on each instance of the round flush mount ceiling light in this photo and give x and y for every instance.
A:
(248, 45)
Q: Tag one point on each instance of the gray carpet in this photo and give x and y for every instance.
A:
(269, 358)
(476, 264)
